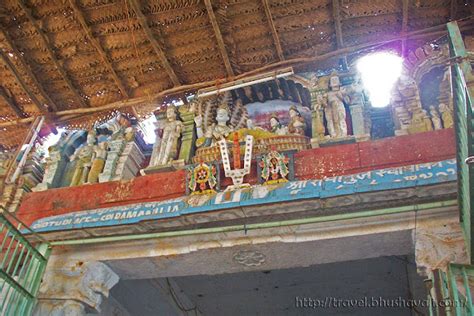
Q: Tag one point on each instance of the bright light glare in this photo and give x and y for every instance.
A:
(379, 72)
(148, 128)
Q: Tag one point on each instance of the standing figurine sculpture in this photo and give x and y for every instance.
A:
(446, 115)
(83, 158)
(98, 162)
(435, 118)
(166, 150)
(335, 110)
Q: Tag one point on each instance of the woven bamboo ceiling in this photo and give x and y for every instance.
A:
(67, 55)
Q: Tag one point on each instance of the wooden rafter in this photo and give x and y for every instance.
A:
(98, 47)
(20, 80)
(276, 38)
(46, 42)
(429, 32)
(11, 103)
(336, 14)
(154, 43)
(29, 72)
(220, 40)
(404, 25)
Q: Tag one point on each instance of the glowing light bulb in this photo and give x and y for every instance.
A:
(379, 72)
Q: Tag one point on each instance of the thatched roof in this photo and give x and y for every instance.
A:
(68, 55)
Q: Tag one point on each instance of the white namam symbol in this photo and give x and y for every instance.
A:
(237, 175)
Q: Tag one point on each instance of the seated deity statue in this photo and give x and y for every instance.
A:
(297, 123)
(166, 149)
(216, 131)
(83, 157)
(276, 127)
(420, 122)
(99, 157)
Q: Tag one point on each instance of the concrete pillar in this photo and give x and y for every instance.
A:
(115, 151)
(358, 122)
(74, 289)
(188, 137)
(437, 245)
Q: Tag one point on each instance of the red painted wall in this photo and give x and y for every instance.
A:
(309, 164)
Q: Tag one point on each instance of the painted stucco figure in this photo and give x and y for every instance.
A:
(435, 118)
(166, 150)
(446, 115)
(335, 111)
(83, 157)
(98, 162)
(276, 127)
(217, 130)
(297, 124)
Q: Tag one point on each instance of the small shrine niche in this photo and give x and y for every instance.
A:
(436, 97)
(422, 99)
(339, 108)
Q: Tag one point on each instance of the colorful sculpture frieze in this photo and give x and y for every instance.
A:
(111, 151)
(260, 122)
(275, 167)
(335, 107)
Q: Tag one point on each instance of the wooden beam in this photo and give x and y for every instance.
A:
(220, 40)
(430, 32)
(29, 72)
(98, 47)
(20, 80)
(276, 38)
(154, 43)
(405, 4)
(336, 14)
(12, 103)
(47, 45)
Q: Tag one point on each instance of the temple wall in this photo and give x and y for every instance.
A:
(309, 164)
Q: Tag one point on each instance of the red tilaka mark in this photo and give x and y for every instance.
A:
(236, 151)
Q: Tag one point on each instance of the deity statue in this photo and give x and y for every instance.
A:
(335, 111)
(217, 130)
(167, 149)
(297, 123)
(420, 122)
(276, 127)
(83, 158)
(435, 118)
(446, 115)
(98, 162)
